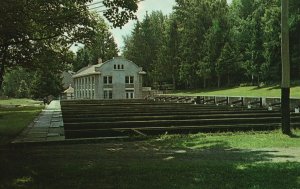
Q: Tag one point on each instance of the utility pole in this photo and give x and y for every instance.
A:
(285, 59)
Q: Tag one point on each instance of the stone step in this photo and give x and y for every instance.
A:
(166, 117)
(169, 123)
(171, 130)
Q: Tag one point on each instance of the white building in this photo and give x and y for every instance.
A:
(118, 78)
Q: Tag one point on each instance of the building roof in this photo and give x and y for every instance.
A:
(94, 69)
(88, 70)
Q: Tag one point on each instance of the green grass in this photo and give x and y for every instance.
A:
(207, 161)
(244, 140)
(274, 91)
(20, 102)
(15, 115)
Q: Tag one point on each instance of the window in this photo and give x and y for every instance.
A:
(129, 94)
(129, 79)
(107, 79)
(107, 94)
(118, 66)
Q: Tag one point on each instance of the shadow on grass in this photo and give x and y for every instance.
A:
(274, 87)
(268, 87)
(145, 165)
(294, 135)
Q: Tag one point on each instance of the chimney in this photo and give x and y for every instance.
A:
(99, 60)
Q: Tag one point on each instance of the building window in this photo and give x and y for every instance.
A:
(129, 79)
(107, 94)
(118, 67)
(129, 94)
(107, 79)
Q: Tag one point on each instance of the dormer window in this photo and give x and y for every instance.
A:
(118, 67)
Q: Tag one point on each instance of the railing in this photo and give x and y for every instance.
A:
(249, 102)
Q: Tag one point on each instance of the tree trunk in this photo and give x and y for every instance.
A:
(174, 80)
(228, 79)
(219, 81)
(1, 75)
(2, 66)
(285, 58)
(204, 82)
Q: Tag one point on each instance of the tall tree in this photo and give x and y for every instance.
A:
(271, 68)
(16, 79)
(120, 11)
(294, 20)
(143, 46)
(101, 45)
(25, 24)
(168, 56)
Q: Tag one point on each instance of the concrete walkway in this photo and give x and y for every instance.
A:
(48, 126)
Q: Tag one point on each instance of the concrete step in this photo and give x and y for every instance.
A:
(114, 118)
(169, 123)
(171, 130)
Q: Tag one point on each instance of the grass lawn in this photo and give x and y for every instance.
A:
(221, 160)
(241, 91)
(248, 140)
(20, 102)
(15, 117)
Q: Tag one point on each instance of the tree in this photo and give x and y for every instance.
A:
(168, 55)
(101, 45)
(42, 81)
(82, 59)
(294, 20)
(28, 27)
(17, 82)
(23, 90)
(271, 68)
(203, 29)
(144, 44)
(47, 78)
(120, 11)
(193, 22)
(24, 25)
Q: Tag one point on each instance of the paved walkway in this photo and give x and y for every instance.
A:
(48, 126)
